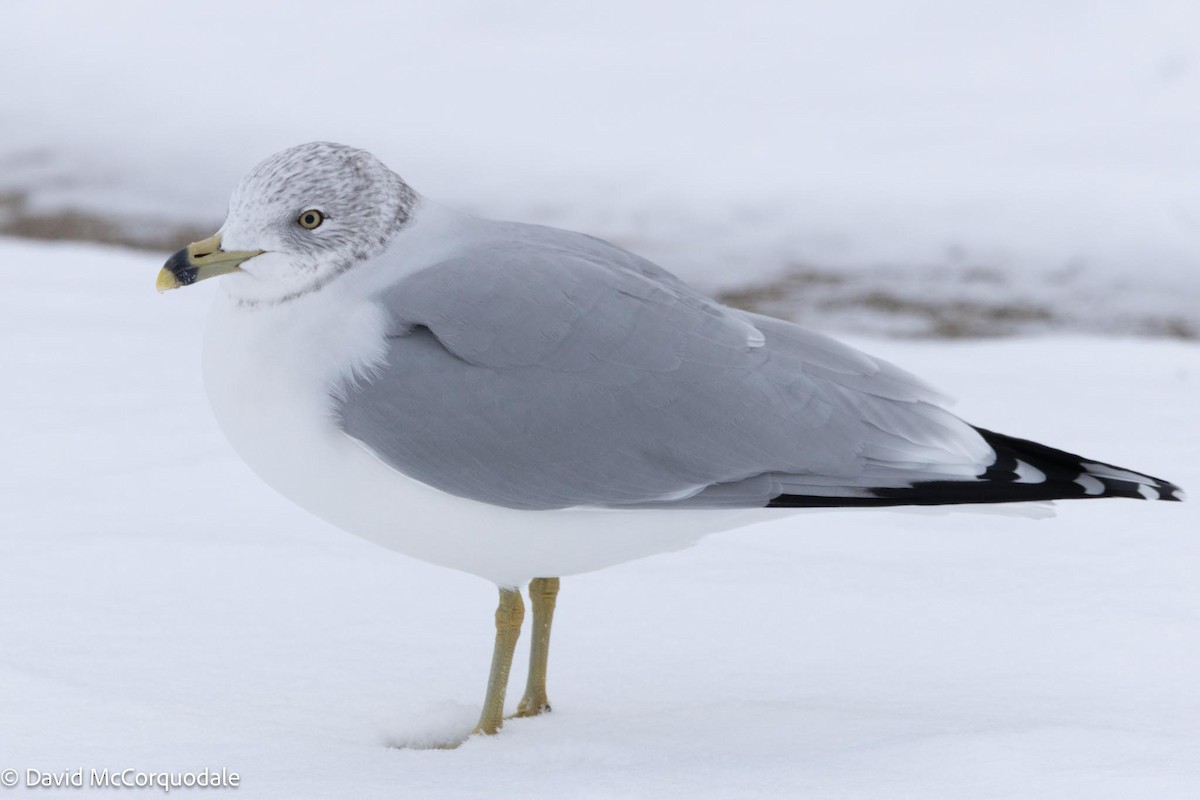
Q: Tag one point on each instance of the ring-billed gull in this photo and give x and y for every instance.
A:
(521, 402)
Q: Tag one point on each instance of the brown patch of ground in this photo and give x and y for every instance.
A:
(18, 219)
(770, 295)
(821, 294)
(955, 319)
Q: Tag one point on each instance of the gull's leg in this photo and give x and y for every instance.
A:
(509, 615)
(542, 595)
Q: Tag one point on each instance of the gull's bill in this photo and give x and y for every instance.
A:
(199, 261)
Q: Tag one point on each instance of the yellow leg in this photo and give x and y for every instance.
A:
(543, 592)
(509, 615)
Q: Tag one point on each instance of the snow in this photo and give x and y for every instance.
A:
(950, 168)
(161, 609)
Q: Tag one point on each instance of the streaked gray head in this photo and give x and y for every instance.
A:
(315, 210)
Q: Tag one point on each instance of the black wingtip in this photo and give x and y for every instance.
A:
(1024, 471)
(1075, 476)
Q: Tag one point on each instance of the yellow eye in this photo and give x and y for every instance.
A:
(310, 219)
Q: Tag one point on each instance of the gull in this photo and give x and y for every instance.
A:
(521, 402)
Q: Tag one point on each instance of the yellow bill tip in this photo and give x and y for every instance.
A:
(166, 280)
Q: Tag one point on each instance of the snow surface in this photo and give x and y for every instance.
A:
(951, 168)
(161, 609)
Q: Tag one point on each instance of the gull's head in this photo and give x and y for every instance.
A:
(298, 220)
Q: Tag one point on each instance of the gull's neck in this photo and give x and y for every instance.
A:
(433, 234)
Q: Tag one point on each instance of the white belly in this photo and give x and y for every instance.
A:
(268, 372)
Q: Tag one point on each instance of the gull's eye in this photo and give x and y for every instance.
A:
(310, 219)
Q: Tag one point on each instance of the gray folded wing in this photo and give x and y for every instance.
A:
(567, 372)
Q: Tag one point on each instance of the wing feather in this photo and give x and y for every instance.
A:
(548, 374)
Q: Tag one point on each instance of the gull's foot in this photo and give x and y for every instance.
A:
(532, 707)
(489, 730)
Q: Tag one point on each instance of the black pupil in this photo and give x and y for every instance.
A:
(310, 219)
